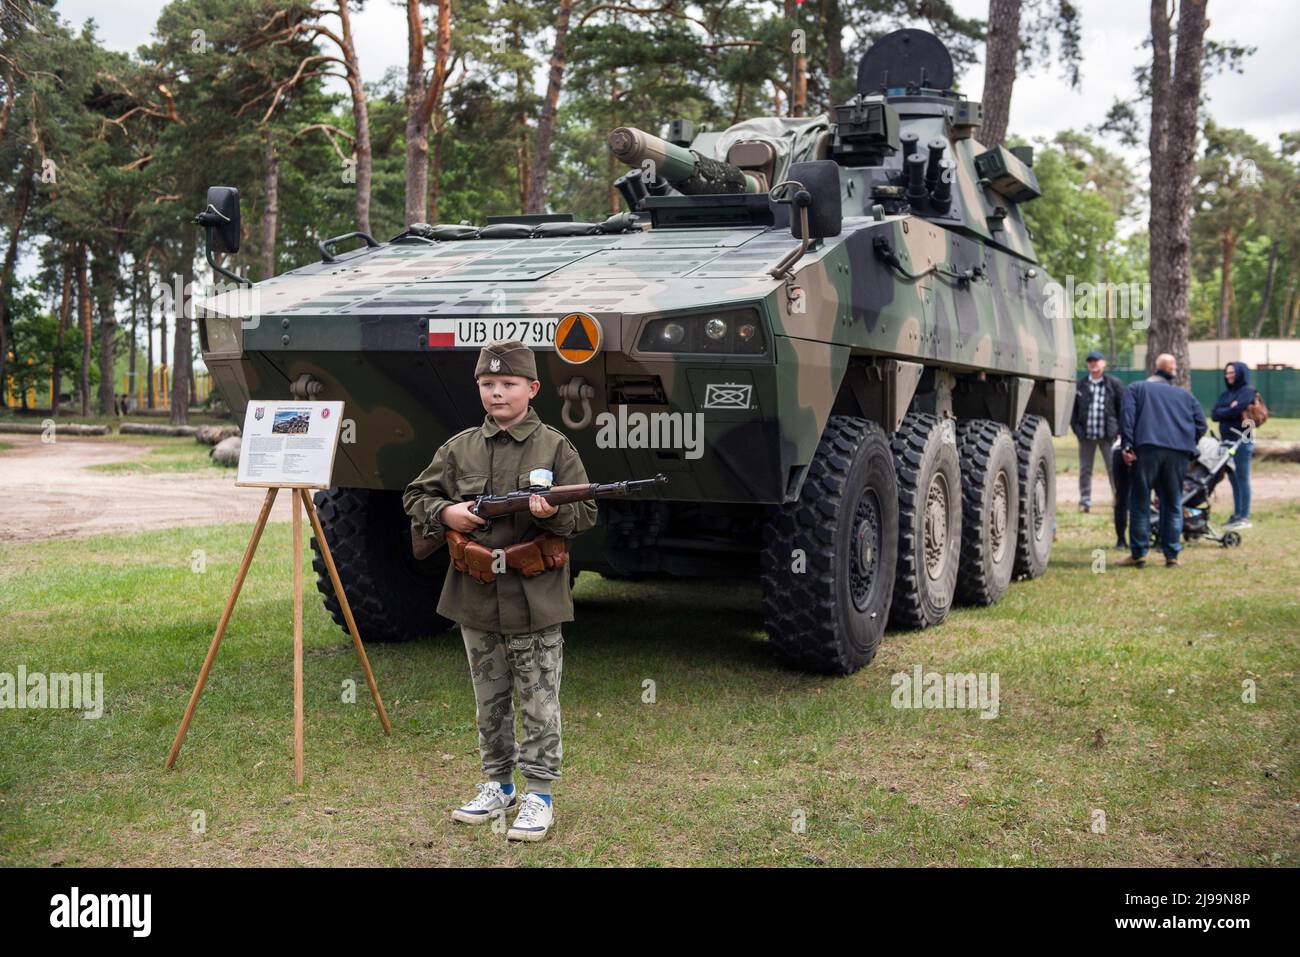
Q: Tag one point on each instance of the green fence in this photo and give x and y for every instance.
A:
(1279, 387)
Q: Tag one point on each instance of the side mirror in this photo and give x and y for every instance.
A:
(222, 214)
(812, 190)
(820, 196)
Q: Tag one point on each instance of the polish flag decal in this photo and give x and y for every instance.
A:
(442, 333)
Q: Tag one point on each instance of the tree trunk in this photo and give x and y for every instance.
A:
(1294, 313)
(833, 37)
(550, 105)
(1000, 52)
(798, 64)
(271, 215)
(7, 110)
(523, 155)
(132, 363)
(180, 397)
(1266, 297)
(104, 271)
(417, 132)
(361, 117)
(1110, 323)
(162, 337)
(7, 271)
(1175, 96)
(421, 101)
(1229, 245)
(83, 303)
(65, 318)
(148, 338)
(435, 173)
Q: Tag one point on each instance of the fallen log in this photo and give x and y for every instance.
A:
(226, 452)
(60, 428)
(1275, 450)
(148, 428)
(213, 434)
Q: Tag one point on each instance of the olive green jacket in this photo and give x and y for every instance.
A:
(492, 460)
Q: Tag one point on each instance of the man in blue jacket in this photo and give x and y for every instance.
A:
(1159, 426)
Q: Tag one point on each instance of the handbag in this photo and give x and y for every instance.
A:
(1257, 411)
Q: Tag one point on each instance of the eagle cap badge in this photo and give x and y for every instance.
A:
(495, 364)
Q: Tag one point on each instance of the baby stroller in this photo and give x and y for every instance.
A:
(1213, 460)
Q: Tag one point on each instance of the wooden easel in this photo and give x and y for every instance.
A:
(301, 500)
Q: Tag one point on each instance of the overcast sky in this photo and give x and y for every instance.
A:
(1265, 100)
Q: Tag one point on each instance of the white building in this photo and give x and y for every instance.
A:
(1217, 353)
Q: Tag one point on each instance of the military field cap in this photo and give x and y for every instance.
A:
(506, 357)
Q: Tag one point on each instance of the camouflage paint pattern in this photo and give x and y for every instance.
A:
(528, 665)
(360, 326)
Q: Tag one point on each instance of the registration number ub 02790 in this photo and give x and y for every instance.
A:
(475, 333)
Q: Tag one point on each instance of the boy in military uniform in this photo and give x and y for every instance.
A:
(509, 617)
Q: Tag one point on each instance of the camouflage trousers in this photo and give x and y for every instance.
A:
(527, 665)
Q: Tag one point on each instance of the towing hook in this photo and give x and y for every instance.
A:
(306, 386)
(576, 389)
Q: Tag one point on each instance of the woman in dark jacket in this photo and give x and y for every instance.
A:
(1228, 412)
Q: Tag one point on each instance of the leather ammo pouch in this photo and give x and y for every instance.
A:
(529, 558)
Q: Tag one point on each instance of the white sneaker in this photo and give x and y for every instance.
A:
(490, 800)
(534, 820)
(1243, 523)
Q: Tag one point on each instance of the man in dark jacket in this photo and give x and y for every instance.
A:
(1159, 427)
(1095, 422)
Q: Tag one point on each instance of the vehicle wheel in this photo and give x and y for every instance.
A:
(990, 487)
(929, 520)
(829, 558)
(1037, 463)
(1231, 539)
(393, 596)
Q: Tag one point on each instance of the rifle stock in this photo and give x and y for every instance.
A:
(494, 506)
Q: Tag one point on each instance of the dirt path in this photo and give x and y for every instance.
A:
(1273, 486)
(47, 491)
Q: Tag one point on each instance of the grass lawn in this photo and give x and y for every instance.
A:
(5, 445)
(196, 418)
(1120, 692)
(162, 454)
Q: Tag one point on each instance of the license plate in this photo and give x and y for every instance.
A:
(476, 333)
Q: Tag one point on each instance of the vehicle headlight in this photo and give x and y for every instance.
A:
(734, 331)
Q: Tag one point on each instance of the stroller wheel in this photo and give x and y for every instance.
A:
(1231, 539)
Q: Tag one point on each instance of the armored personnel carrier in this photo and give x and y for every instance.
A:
(831, 333)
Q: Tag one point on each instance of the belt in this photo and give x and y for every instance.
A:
(529, 558)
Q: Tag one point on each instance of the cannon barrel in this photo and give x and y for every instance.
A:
(690, 173)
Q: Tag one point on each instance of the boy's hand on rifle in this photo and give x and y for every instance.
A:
(540, 507)
(460, 518)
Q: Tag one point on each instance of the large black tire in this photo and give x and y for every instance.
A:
(929, 520)
(828, 613)
(1037, 463)
(990, 488)
(393, 596)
